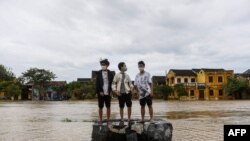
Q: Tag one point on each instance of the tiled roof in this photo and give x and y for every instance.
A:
(196, 70)
(212, 70)
(180, 72)
(159, 79)
(245, 75)
(57, 83)
(83, 79)
(247, 72)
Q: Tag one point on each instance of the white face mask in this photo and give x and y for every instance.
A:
(125, 68)
(141, 68)
(104, 67)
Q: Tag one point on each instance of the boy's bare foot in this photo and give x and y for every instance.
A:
(141, 121)
(151, 121)
(100, 122)
(121, 123)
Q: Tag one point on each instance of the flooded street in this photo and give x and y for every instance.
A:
(56, 121)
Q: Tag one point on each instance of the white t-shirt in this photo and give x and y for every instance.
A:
(143, 81)
(105, 82)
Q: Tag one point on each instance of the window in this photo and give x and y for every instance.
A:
(186, 80)
(191, 92)
(211, 92)
(210, 79)
(220, 92)
(172, 80)
(193, 80)
(220, 79)
(178, 80)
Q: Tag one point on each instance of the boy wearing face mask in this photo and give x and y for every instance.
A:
(144, 87)
(103, 88)
(122, 86)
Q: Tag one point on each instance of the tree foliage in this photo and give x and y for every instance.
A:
(13, 90)
(236, 86)
(8, 83)
(180, 89)
(81, 90)
(6, 74)
(162, 91)
(37, 76)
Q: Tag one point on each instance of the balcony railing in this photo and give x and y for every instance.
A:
(194, 84)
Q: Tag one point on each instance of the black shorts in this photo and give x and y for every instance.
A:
(125, 98)
(106, 99)
(147, 99)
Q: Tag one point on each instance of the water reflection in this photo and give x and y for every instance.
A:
(72, 120)
(205, 114)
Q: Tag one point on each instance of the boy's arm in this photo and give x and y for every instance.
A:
(130, 84)
(152, 89)
(114, 84)
(151, 86)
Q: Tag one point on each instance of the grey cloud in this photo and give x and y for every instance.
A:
(69, 37)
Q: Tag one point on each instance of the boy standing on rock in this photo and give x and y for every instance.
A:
(122, 86)
(103, 88)
(144, 87)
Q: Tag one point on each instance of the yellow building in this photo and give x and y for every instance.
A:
(186, 77)
(2, 95)
(201, 84)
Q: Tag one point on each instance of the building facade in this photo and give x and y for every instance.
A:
(159, 80)
(201, 84)
(2, 95)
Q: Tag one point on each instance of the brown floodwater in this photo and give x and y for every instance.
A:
(72, 120)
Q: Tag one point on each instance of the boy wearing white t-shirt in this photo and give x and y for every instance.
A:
(143, 84)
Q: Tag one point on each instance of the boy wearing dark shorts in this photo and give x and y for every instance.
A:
(122, 86)
(103, 88)
(143, 84)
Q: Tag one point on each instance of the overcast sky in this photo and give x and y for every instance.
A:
(70, 36)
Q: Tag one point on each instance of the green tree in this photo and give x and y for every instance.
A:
(180, 89)
(6, 74)
(8, 83)
(74, 89)
(13, 90)
(38, 77)
(80, 90)
(4, 85)
(162, 91)
(236, 87)
(89, 90)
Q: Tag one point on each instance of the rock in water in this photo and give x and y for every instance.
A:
(160, 130)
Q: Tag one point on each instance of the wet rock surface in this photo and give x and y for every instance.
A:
(159, 130)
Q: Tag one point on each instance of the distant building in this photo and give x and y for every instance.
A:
(245, 75)
(84, 80)
(159, 80)
(92, 79)
(247, 72)
(2, 95)
(201, 84)
(54, 90)
(26, 92)
(176, 76)
(94, 75)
